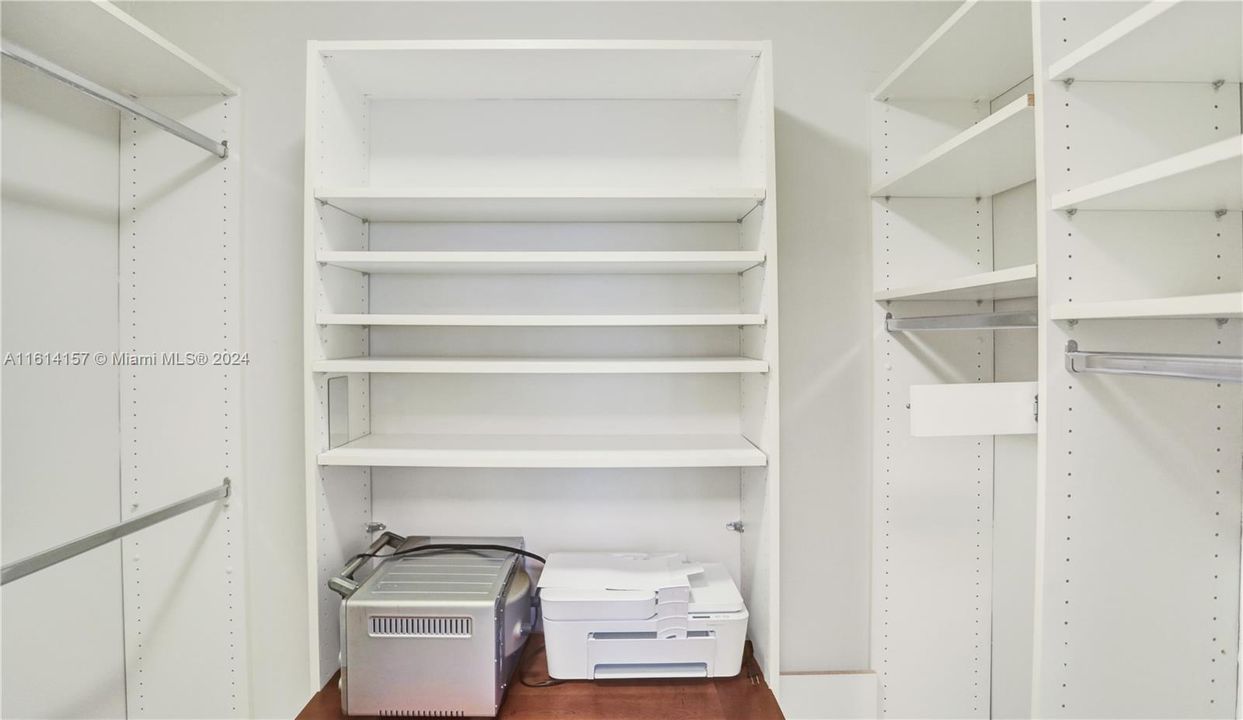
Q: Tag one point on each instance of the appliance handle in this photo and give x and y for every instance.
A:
(343, 583)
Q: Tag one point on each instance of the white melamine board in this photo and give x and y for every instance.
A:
(536, 204)
(479, 320)
(1218, 305)
(933, 526)
(918, 239)
(567, 142)
(994, 155)
(983, 49)
(1208, 178)
(546, 262)
(565, 366)
(1017, 282)
(104, 44)
(185, 579)
(1141, 532)
(1181, 41)
(546, 451)
(1001, 408)
(551, 69)
(820, 695)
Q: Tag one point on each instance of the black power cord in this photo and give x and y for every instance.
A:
(452, 546)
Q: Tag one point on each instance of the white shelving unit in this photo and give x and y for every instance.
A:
(600, 262)
(382, 204)
(606, 302)
(1138, 566)
(954, 167)
(988, 44)
(543, 320)
(1207, 178)
(1217, 305)
(547, 451)
(127, 237)
(992, 156)
(542, 366)
(1163, 41)
(1011, 283)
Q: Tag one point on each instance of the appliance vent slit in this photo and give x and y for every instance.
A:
(440, 627)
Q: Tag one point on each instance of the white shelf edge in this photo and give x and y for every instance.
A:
(540, 261)
(542, 366)
(482, 320)
(1020, 275)
(964, 139)
(557, 451)
(1216, 305)
(227, 88)
(1221, 151)
(1063, 68)
(882, 92)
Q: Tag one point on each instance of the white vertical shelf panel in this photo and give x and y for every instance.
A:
(1163, 41)
(180, 283)
(1139, 482)
(982, 50)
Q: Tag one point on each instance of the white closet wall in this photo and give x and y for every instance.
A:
(120, 253)
(541, 301)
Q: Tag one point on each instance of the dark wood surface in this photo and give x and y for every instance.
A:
(743, 697)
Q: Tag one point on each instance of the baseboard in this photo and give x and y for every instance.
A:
(830, 695)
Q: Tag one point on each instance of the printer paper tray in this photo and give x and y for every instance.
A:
(639, 655)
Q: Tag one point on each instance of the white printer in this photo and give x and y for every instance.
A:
(628, 615)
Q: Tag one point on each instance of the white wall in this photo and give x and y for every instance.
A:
(61, 425)
(827, 57)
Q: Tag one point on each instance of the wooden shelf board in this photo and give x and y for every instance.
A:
(546, 262)
(1016, 282)
(546, 451)
(994, 155)
(1217, 305)
(544, 204)
(981, 51)
(478, 320)
(1185, 41)
(1207, 178)
(543, 366)
(102, 43)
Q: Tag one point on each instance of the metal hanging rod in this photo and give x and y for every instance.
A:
(115, 99)
(979, 321)
(73, 548)
(1196, 367)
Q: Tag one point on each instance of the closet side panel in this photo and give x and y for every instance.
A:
(185, 599)
(60, 422)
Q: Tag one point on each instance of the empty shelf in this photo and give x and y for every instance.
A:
(1218, 305)
(981, 51)
(464, 320)
(543, 366)
(104, 44)
(547, 451)
(995, 154)
(1187, 41)
(1207, 178)
(546, 262)
(548, 204)
(1016, 282)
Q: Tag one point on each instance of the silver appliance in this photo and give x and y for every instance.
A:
(432, 634)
